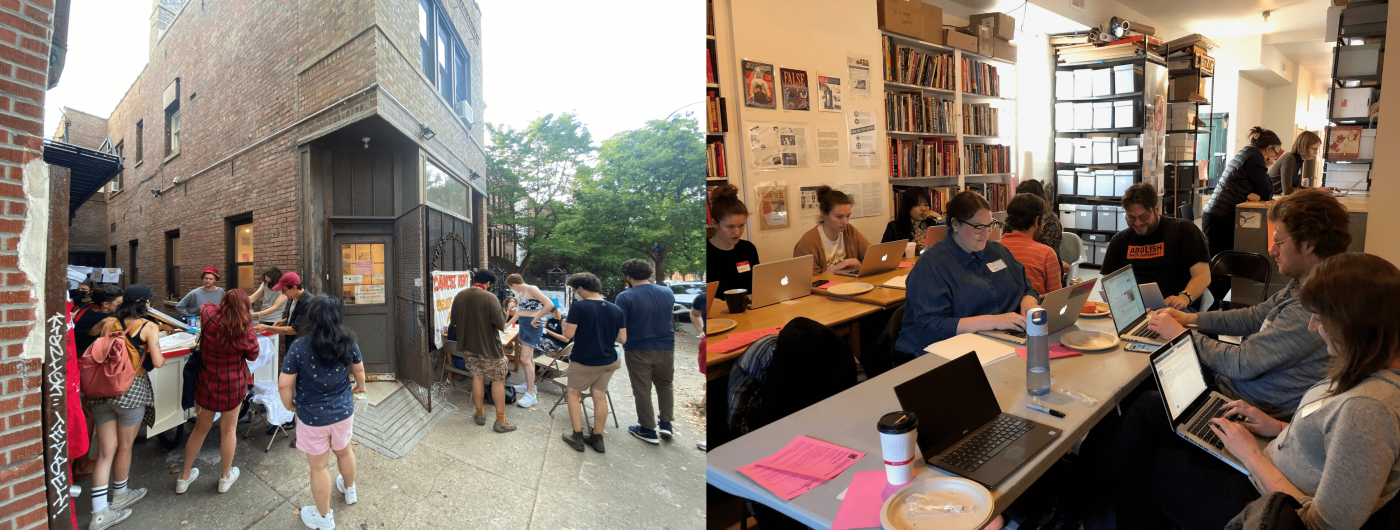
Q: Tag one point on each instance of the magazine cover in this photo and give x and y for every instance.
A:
(758, 85)
(795, 90)
(1345, 142)
(829, 90)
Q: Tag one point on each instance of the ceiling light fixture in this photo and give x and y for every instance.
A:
(1268, 26)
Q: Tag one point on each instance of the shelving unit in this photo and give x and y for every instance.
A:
(1344, 172)
(955, 176)
(1180, 188)
(716, 115)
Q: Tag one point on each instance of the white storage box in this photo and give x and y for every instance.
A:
(1084, 83)
(1084, 216)
(1103, 150)
(1124, 114)
(1064, 117)
(1085, 180)
(1352, 102)
(1083, 151)
(1103, 82)
(1107, 217)
(1064, 182)
(1064, 150)
(1343, 175)
(1083, 116)
(1103, 115)
(1128, 154)
(1067, 215)
(1103, 183)
(1122, 218)
(1064, 84)
(1127, 78)
(1122, 179)
(1100, 250)
(1368, 144)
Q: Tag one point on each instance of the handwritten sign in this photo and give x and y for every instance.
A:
(446, 285)
(369, 294)
(364, 266)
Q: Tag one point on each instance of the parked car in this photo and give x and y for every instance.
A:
(685, 297)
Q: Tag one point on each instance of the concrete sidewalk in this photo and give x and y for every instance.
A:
(459, 476)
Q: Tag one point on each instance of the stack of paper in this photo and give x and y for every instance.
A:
(802, 465)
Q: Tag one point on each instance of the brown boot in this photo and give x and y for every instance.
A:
(596, 442)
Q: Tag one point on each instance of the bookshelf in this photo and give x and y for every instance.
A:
(1183, 178)
(716, 113)
(950, 119)
(1353, 89)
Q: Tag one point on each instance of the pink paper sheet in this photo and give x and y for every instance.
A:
(865, 496)
(742, 339)
(1057, 351)
(905, 264)
(828, 284)
(801, 465)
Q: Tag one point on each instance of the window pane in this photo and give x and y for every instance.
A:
(243, 243)
(425, 38)
(175, 251)
(460, 71)
(175, 132)
(445, 192)
(362, 282)
(444, 51)
(245, 278)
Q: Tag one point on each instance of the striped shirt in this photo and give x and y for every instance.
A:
(1042, 264)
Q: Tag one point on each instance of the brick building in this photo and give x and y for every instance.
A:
(339, 139)
(87, 230)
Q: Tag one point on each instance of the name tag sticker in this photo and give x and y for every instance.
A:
(743, 266)
(996, 266)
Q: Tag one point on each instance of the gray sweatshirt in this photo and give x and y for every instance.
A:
(1278, 359)
(189, 306)
(1343, 451)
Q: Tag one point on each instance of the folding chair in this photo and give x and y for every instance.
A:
(258, 414)
(553, 372)
(1245, 265)
(446, 353)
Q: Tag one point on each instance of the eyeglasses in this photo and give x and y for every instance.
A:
(1278, 242)
(982, 229)
(1146, 217)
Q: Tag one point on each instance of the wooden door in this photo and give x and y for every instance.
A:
(367, 294)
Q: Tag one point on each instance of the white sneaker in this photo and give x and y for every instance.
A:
(121, 501)
(108, 518)
(226, 483)
(528, 401)
(520, 388)
(350, 497)
(314, 520)
(182, 485)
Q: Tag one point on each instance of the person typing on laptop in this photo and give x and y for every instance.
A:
(834, 243)
(1279, 358)
(964, 283)
(1340, 455)
(1169, 251)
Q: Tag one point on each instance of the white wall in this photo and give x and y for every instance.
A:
(1385, 172)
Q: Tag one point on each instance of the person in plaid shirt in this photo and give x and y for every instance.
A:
(225, 347)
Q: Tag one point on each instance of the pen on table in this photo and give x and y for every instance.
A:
(1051, 412)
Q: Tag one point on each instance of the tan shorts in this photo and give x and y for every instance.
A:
(585, 378)
(493, 369)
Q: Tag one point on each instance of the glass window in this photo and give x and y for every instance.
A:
(462, 76)
(444, 58)
(243, 256)
(362, 273)
(425, 37)
(140, 131)
(172, 265)
(445, 192)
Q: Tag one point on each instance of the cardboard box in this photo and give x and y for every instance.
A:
(1359, 60)
(984, 39)
(905, 17)
(960, 40)
(1064, 151)
(1003, 50)
(1067, 212)
(1186, 88)
(1084, 83)
(1064, 116)
(1002, 24)
(1352, 102)
(933, 24)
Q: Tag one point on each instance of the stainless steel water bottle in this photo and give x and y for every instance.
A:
(1037, 352)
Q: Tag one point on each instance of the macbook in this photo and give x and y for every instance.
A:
(879, 259)
(1129, 313)
(1152, 296)
(1345, 192)
(1190, 407)
(781, 281)
(964, 431)
(1064, 307)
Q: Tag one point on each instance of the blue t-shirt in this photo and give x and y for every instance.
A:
(598, 322)
(323, 391)
(647, 309)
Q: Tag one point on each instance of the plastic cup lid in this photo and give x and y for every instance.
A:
(898, 422)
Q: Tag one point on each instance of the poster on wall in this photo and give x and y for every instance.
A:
(862, 137)
(807, 205)
(369, 294)
(795, 89)
(772, 205)
(866, 198)
(828, 147)
(828, 93)
(858, 67)
(792, 142)
(764, 150)
(758, 85)
(446, 285)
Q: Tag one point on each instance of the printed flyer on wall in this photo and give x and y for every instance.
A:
(828, 93)
(758, 85)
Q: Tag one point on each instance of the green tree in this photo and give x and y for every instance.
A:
(535, 169)
(642, 201)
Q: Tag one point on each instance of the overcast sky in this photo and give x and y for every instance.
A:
(617, 63)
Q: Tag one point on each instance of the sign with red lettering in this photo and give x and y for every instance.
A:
(1146, 251)
(446, 285)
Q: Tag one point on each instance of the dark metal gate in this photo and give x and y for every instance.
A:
(411, 315)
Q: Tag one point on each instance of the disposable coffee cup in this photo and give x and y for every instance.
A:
(909, 250)
(898, 436)
(737, 300)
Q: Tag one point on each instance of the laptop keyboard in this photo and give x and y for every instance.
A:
(1147, 333)
(1201, 427)
(1013, 333)
(981, 447)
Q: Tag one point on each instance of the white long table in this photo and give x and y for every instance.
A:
(848, 419)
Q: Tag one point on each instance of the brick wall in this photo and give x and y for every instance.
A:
(25, 28)
(88, 232)
(83, 129)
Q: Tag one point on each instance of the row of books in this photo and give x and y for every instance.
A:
(996, 194)
(716, 119)
(914, 112)
(980, 119)
(709, 68)
(925, 157)
(937, 197)
(916, 67)
(987, 158)
(980, 78)
(715, 166)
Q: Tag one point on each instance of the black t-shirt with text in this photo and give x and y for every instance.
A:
(733, 268)
(1164, 256)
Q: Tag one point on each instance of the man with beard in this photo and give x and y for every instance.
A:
(1169, 251)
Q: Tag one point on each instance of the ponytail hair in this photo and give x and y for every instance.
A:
(829, 198)
(1262, 138)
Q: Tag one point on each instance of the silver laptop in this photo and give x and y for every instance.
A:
(1064, 306)
(1177, 371)
(1129, 313)
(1152, 296)
(1345, 192)
(781, 281)
(879, 259)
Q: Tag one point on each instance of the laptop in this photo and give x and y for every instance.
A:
(1125, 302)
(1345, 192)
(964, 431)
(781, 281)
(1177, 371)
(1152, 296)
(1064, 306)
(879, 259)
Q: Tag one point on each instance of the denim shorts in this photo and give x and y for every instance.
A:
(530, 335)
(125, 417)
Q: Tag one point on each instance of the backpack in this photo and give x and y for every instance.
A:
(108, 367)
(510, 395)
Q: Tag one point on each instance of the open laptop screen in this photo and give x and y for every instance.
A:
(1179, 371)
(1124, 300)
(952, 400)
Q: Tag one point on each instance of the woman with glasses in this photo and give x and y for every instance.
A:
(1245, 178)
(912, 219)
(834, 243)
(1286, 174)
(965, 282)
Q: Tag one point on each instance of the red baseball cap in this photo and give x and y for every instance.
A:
(211, 270)
(289, 279)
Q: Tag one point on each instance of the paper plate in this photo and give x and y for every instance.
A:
(893, 514)
(715, 326)
(1088, 340)
(850, 289)
(1103, 310)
